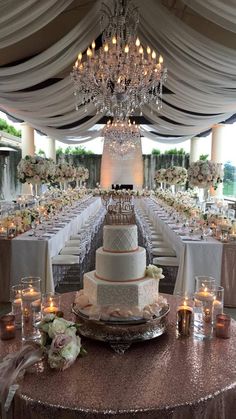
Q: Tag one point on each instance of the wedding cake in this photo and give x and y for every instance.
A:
(120, 286)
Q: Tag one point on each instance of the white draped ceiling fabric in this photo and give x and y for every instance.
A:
(201, 72)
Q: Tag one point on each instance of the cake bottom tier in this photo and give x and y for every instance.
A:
(127, 294)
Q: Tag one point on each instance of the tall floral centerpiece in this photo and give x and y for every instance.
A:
(160, 176)
(82, 174)
(175, 176)
(36, 170)
(65, 172)
(205, 174)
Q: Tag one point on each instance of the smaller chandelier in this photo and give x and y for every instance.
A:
(122, 139)
(123, 75)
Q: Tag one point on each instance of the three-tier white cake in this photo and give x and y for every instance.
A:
(119, 285)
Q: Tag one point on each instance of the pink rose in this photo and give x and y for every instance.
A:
(59, 342)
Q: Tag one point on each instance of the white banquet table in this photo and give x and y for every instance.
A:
(195, 257)
(31, 256)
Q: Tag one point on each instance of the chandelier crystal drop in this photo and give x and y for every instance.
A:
(122, 75)
(122, 139)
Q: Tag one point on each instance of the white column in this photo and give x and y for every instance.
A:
(28, 149)
(116, 171)
(50, 146)
(27, 140)
(195, 149)
(217, 150)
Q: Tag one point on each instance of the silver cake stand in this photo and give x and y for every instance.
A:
(121, 334)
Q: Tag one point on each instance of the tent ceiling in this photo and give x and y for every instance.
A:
(39, 42)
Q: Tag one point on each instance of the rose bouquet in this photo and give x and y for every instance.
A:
(65, 172)
(160, 175)
(205, 174)
(82, 173)
(60, 341)
(175, 175)
(35, 170)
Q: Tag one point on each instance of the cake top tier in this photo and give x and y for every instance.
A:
(120, 238)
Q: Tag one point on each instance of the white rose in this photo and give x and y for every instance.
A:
(154, 272)
(56, 327)
(71, 350)
(71, 331)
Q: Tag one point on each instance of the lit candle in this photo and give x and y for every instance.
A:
(217, 308)
(204, 295)
(51, 303)
(223, 322)
(31, 295)
(50, 310)
(7, 327)
(184, 316)
(204, 298)
(3, 232)
(17, 302)
(11, 231)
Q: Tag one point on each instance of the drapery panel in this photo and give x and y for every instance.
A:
(23, 18)
(221, 12)
(201, 72)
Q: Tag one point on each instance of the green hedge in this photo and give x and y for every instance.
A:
(9, 128)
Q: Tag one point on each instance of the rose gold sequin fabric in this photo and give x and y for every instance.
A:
(166, 378)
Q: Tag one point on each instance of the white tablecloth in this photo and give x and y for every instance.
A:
(195, 257)
(32, 256)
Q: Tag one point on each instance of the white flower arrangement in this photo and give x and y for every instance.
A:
(205, 174)
(160, 175)
(60, 341)
(65, 172)
(82, 173)
(176, 175)
(152, 271)
(36, 170)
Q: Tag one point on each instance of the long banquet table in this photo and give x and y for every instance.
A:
(198, 257)
(27, 255)
(166, 378)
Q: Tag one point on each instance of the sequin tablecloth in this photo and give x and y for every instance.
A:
(160, 379)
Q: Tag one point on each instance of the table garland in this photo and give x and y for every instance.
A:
(182, 202)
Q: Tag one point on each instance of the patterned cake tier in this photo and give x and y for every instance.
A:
(120, 238)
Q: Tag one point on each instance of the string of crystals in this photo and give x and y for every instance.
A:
(121, 139)
(121, 76)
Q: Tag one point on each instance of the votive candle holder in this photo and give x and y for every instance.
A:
(184, 316)
(204, 298)
(223, 325)
(31, 307)
(7, 327)
(50, 303)
(16, 304)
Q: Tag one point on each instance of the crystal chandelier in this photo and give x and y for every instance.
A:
(122, 139)
(121, 76)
